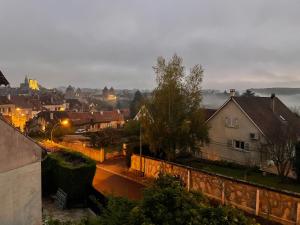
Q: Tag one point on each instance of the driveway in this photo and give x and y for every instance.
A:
(112, 184)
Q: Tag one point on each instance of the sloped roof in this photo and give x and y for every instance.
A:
(26, 102)
(107, 116)
(5, 101)
(208, 113)
(80, 118)
(260, 110)
(3, 80)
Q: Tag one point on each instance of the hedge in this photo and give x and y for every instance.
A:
(70, 171)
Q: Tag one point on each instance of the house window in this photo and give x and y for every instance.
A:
(237, 144)
(231, 122)
(241, 145)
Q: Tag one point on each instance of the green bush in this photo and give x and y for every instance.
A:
(70, 171)
(167, 202)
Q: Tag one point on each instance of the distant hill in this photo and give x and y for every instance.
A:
(277, 90)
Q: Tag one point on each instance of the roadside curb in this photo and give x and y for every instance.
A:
(121, 175)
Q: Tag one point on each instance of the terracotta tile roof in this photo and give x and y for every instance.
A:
(21, 101)
(107, 116)
(260, 110)
(57, 115)
(80, 118)
(126, 113)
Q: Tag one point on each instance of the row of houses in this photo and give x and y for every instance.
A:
(20, 109)
(87, 121)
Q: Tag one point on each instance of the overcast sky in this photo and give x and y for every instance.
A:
(93, 43)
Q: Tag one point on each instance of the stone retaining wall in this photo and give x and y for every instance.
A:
(280, 206)
(98, 155)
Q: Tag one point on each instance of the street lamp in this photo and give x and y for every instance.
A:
(141, 148)
(64, 123)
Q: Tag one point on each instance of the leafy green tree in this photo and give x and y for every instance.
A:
(132, 128)
(176, 121)
(117, 211)
(136, 103)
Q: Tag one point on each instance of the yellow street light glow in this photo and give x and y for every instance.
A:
(18, 109)
(65, 122)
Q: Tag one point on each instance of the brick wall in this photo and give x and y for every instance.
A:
(280, 206)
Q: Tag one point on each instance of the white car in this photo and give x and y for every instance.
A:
(80, 131)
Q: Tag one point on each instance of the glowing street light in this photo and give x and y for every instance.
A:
(63, 123)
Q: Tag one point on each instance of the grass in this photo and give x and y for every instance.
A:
(253, 176)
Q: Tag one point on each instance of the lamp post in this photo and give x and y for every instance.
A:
(141, 147)
(64, 122)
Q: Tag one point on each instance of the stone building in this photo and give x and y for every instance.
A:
(20, 178)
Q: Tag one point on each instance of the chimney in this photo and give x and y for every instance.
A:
(232, 92)
(273, 102)
(8, 97)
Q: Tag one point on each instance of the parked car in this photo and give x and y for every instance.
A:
(80, 131)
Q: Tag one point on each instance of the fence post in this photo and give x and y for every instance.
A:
(223, 193)
(189, 180)
(298, 214)
(257, 203)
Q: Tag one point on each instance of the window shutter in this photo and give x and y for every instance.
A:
(247, 146)
(229, 143)
(236, 123)
(227, 122)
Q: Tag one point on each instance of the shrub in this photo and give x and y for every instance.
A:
(70, 171)
(167, 202)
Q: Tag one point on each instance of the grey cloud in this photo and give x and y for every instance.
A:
(95, 43)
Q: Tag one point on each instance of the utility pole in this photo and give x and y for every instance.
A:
(141, 147)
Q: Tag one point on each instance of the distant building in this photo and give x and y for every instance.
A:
(90, 121)
(109, 95)
(70, 93)
(20, 178)
(53, 102)
(7, 108)
(29, 86)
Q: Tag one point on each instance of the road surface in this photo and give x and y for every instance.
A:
(112, 184)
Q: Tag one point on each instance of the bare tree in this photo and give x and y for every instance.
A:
(281, 149)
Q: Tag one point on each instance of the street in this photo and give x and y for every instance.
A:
(111, 184)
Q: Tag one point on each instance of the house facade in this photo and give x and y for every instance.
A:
(242, 126)
(90, 121)
(20, 178)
